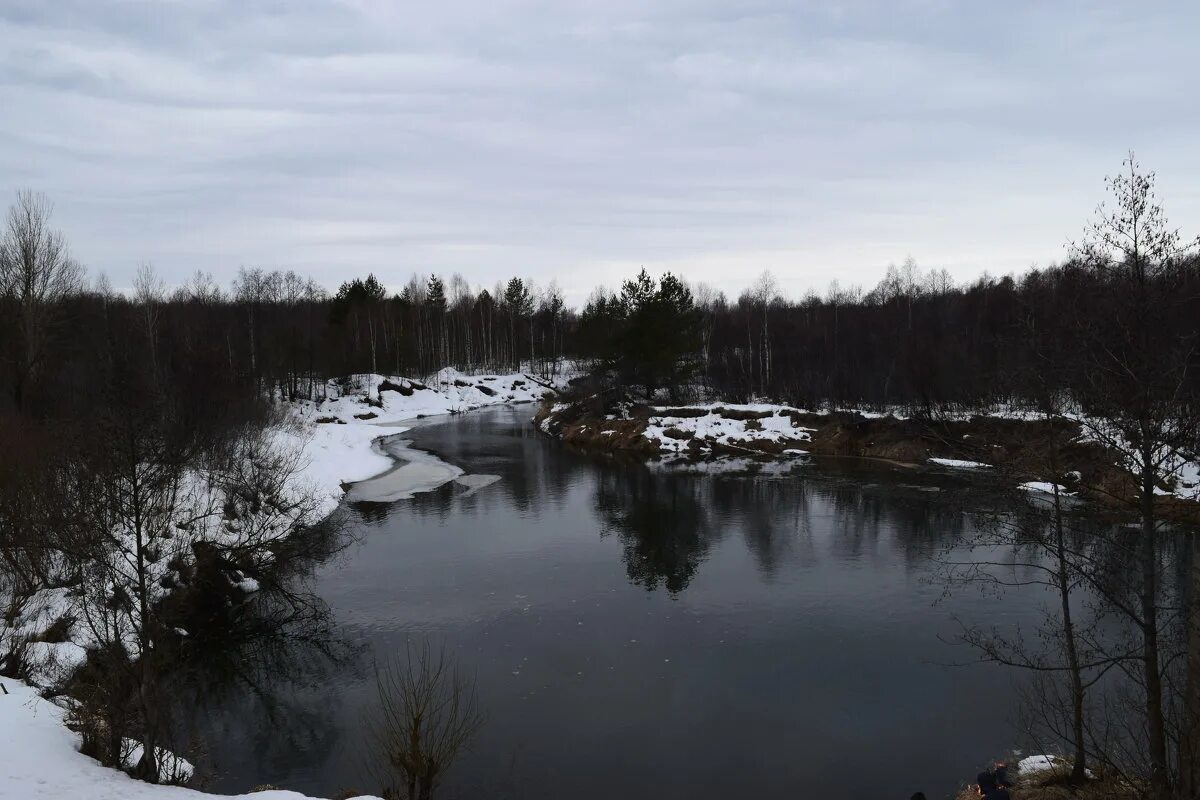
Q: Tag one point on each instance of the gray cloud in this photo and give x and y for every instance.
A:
(579, 140)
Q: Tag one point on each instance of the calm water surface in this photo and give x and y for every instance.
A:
(642, 632)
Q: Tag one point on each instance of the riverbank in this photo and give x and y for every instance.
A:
(1047, 777)
(339, 434)
(335, 445)
(40, 759)
(1011, 442)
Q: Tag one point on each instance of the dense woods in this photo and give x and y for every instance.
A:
(916, 340)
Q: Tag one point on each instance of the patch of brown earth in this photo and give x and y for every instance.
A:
(585, 425)
(1018, 448)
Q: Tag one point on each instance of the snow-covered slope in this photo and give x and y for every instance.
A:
(337, 433)
(40, 759)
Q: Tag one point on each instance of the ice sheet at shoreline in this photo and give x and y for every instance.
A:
(338, 433)
(417, 471)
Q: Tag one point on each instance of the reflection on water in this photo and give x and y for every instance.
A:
(649, 630)
(249, 678)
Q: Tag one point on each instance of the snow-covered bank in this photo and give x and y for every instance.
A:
(696, 430)
(958, 463)
(726, 426)
(40, 759)
(328, 446)
(338, 434)
(331, 443)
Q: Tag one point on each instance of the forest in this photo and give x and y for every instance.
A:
(915, 341)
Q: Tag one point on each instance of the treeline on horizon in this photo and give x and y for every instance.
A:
(916, 340)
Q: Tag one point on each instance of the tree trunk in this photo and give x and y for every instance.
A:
(1079, 767)
(1155, 724)
(1189, 746)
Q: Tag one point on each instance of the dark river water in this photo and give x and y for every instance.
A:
(638, 631)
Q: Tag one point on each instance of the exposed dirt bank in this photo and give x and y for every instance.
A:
(1021, 449)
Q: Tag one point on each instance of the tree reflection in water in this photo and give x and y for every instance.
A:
(251, 670)
(662, 523)
(668, 519)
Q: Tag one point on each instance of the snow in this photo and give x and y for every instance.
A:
(717, 427)
(1179, 469)
(171, 768)
(342, 449)
(1045, 487)
(955, 463)
(1187, 479)
(248, 585)
(40, 759)
(1032, 765)
(52, 663)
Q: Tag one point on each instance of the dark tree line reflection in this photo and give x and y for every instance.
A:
(249, 673)
(668, 518)
(665, 525)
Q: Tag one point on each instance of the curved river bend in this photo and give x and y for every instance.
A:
(644, 632)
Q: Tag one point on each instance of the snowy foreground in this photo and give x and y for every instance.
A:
(40, 759)
(336, 443)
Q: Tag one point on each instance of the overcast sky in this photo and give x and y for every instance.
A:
(580, 140)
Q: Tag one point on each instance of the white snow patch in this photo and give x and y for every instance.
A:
(171, 768)
(729, 465)
(714, 427)
(248, 585)
(53, 663)
(1032, 765)
(955, 463)
(1045, 487)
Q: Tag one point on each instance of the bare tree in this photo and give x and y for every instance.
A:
(149, 291)
(1025, 542)
(37, 271)
(428, 712)
(1136, 388)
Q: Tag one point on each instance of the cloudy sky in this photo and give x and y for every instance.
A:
(579, 140)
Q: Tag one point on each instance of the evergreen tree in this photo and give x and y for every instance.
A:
(519, 305)
(435, 293)
(649, 336)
